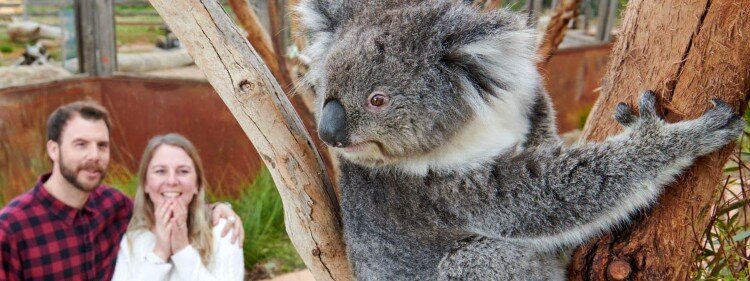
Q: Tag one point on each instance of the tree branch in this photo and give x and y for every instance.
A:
(558, 25)
(265, 114)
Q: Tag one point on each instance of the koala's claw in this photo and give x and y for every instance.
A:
(624, 115)
(646, 109)
(647, 106)
(719, 116)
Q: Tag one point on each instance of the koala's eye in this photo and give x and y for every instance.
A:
(377, 99)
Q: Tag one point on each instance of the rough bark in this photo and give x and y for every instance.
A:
(265, 114)
(688, 52)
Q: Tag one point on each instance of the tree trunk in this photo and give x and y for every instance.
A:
(265, 114)
(688, 52)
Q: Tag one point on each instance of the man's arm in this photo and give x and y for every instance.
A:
(223, 210)
(10, 260)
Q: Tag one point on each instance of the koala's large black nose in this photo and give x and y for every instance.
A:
(332, 128)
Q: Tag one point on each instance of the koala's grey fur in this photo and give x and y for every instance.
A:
(462, 175)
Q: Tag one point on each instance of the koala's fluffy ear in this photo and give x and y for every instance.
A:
(320, 19)
(494, 59)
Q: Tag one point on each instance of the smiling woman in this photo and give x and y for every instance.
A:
(169, 236)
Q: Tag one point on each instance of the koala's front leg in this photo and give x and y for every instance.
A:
(555, 196)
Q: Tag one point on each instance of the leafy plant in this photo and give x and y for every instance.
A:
(724, 243)
(266, 242)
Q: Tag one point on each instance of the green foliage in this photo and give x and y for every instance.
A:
(6, 42)
(266, 242)
(134, 8)
(123, 180)
(131, 34)
(5, 49)
(724, 243)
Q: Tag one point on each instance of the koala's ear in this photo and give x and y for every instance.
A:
(320, 18)
(497, 58)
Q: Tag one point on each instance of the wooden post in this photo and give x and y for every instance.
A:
(607, 17)
(703, 55)
(265, 114)
(95, 26)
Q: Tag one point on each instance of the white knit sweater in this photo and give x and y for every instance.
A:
(137, 261)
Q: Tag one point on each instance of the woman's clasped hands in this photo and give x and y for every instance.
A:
(170, 228)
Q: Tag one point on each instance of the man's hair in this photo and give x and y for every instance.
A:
(88, 110)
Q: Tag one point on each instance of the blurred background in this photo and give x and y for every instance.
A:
(121, 54)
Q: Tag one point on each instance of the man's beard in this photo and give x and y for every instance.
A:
(71, 175)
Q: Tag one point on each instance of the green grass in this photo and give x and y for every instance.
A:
(6, 42)
(134, 8)
(266, 242)
(5, 49)
(122, 179)
(725, 242)
(129, 34)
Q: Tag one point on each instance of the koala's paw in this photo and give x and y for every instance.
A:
(717, 127)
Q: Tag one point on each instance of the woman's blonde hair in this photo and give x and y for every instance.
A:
(199, 230)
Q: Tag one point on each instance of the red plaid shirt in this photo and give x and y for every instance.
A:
(43, 239)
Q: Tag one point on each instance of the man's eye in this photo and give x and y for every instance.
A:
(158, 172)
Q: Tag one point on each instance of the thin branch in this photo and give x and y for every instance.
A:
(558, 25)
(259, 38)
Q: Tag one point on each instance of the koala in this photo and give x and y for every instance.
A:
(451, 167)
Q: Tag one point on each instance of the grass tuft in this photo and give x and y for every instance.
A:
(724, 243)
(266, 242)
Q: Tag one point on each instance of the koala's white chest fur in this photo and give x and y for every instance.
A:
(499, 127)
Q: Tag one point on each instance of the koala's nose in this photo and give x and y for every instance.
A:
(332, 128)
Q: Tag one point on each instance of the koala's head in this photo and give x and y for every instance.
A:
(399, 81)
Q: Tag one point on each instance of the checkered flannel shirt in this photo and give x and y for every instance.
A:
(43, 239)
